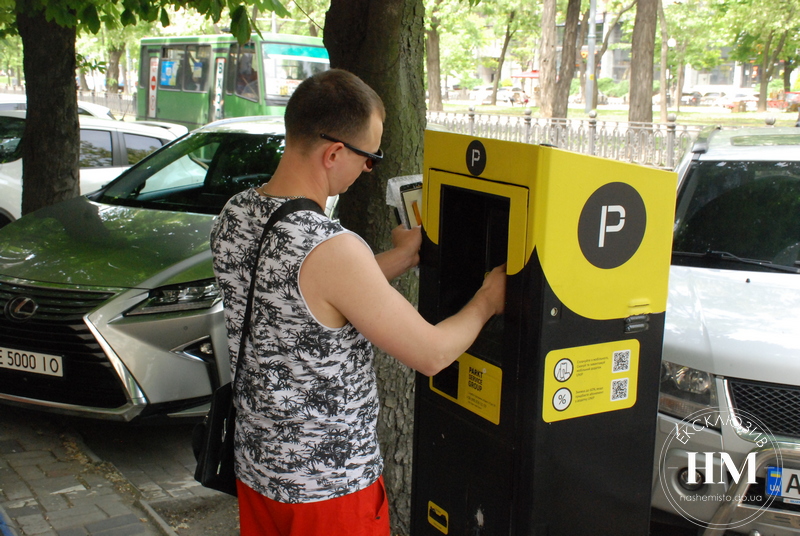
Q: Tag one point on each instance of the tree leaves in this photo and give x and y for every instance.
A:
(90, 17)
(240, 24)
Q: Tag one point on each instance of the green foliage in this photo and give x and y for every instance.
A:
(607, 86)
(92, 15)
(575, 86)
(85, 64)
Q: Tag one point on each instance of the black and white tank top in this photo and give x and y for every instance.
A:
(307, 397)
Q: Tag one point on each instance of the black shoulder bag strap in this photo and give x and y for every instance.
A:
(293, 205)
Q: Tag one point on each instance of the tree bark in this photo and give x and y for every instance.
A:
(506, 40)
(662, 90)
(547, 60)
(113, 79)
(382, 41)
(51, 125)
(568, 54)
(643, 44)
(434, 66)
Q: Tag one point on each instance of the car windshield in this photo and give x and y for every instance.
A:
(750, 210)
(198, 173)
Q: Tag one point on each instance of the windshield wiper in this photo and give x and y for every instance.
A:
(727, 256)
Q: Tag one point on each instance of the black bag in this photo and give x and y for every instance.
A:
(212, 439)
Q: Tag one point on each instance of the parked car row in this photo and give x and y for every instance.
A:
(20, 102)
(106, 149)
(111, 309)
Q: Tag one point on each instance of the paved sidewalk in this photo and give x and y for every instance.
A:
(52, 485)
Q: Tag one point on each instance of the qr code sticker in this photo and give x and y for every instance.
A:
(622, 361)
(619, 389)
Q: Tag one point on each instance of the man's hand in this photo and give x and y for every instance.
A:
(494, 289)
(408, 241)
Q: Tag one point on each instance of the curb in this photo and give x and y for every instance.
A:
(162, 525)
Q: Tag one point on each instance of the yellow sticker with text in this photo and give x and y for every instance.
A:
(587, 380)
(479, 387)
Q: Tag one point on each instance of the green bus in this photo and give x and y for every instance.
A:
(199, 79)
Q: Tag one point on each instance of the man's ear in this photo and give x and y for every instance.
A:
(331, 154)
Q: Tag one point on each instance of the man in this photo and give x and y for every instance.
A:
(307, 459)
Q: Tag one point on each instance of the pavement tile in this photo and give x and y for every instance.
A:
(33, 524)
(116, 522)
(74, 531)
(10, 446)
(18, 459)
(52, 485)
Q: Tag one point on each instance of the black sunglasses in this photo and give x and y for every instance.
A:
(372, 158)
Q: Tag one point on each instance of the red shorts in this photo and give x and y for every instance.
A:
(363, 513)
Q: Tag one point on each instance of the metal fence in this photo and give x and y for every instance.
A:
(652, 144)
(122, 104)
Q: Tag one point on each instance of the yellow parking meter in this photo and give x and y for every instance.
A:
(546, 425)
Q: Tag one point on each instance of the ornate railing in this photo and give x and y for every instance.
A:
(653, 144)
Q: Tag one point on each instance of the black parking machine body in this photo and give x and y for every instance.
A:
(546, 425)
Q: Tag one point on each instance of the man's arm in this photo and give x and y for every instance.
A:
(342, 282)
(405, 253)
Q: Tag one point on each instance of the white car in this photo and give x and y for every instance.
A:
(728, 436)
(20, 102)
(107, 149)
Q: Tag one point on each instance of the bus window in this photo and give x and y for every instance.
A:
(243, 72)
(198, 65)
(286, 65)
(171, 60)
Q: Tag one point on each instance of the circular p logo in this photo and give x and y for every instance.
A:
(476, 157)
(612, 225)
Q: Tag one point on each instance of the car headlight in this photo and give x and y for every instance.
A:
(685, 391)
(176, 298)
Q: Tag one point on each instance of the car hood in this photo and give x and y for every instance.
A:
(738, 324)
(80, 242)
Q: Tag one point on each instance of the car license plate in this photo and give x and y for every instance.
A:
(35, 362)
(783, 482)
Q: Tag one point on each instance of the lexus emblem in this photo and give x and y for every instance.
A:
(21, 308)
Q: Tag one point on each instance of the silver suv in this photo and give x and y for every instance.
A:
(728, 438)
(108, 303)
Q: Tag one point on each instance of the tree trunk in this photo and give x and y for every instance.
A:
(382, 41)
(580, 62)
(568, 55)
(663, 75)
(51, 125)
(643, 44)
(606, 40)
(112, 71)
(547, 60)
(769, 58)
(788, 67)
(501, 60)
(434, 67)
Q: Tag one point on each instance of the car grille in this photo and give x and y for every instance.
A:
(776, 406)
(58, 328)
